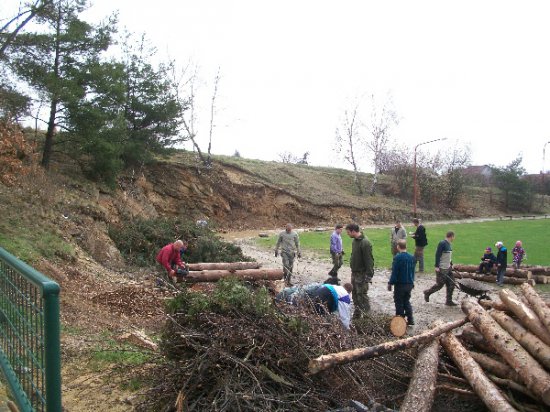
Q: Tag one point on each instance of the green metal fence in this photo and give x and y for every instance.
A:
(29, 335)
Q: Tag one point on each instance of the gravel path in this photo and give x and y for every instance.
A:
(309, 269)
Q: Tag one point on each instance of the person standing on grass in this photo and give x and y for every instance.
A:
(397, 233)
(402, 278)
(502, 262)
(420, 242)
(518, 253)
(336, 250)
(443, 269)
(362, 269)
(289, 243)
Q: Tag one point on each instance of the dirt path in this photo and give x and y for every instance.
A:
(309, 269)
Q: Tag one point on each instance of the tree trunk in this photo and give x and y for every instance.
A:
(421, 392)
(248, 274)
(531, 373)
(510, 272)
(491, 278)
(491, 304)
(48, 144)
(525, 314)
(539, 270)
(496, 367)
(472, 336)
(224, 266)
(334, 359)
(537, 348)
(488, 392)
(538, 305)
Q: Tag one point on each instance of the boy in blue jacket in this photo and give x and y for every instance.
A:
(402, 277)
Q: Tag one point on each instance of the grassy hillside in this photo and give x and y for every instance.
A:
(318, 185)
(468, 247)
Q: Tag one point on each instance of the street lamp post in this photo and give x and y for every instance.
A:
(415, 188)
(542, 172)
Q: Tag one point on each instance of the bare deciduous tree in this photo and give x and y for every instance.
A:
(187, 87)
(382, 120)
(348, 142)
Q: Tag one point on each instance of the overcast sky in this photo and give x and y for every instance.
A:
(476, 72)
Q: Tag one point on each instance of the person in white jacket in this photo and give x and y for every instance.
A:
(326, 298)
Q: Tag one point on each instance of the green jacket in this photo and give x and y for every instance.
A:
(361, 256)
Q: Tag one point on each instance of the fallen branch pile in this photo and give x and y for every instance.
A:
(253, 357)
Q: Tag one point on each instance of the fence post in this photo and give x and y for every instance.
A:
(52, 347)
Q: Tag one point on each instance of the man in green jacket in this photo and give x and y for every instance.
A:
(362, 269)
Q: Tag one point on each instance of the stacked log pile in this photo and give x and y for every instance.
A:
(538, 275)
(212, 272)
(503, 353)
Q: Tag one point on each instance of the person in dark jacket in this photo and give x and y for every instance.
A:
(502, 262)
(362, 269)
(420, 242)
(488, 260)
(443, 270)
(402, 279)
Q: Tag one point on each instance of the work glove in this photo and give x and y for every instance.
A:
(299, 255)
(276, 253)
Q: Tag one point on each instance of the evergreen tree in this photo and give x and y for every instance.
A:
(518, 193)
(56, 61)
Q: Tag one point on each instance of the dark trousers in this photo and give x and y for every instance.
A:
(402, 299)
(446, 278)
(485, 267)
(419, 257)
(336, 263)
(501, 271)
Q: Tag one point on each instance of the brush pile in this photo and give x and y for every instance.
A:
(234, 349)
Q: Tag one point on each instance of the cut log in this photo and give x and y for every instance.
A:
(224, 266)
(422, 386)
(473, 337)
(525, 314)
(539, 270)
(541, 279)
(491, 278)
(497, 305)
(398, 326)
(488, 392)
(247, 274)
(495, 367)
(538, 305)
(537, 348)
(510, 272)
(531, 373)
(340, 358)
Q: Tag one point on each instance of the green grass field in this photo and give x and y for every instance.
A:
(468, 247)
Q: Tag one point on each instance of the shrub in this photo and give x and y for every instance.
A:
(139, 241)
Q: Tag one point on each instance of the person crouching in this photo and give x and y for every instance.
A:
(402, 277)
